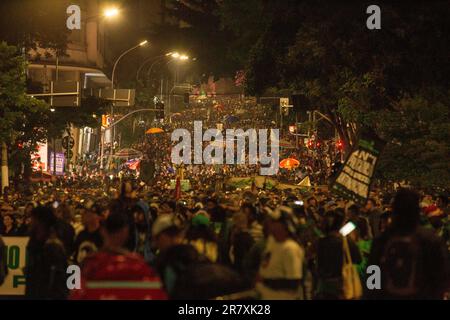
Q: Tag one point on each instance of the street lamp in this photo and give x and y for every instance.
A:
(110, 12)
(173, 55)
(143, 43)
(156, 59)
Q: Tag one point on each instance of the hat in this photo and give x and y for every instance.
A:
(162, 223)
(198, 205)
(200, 219)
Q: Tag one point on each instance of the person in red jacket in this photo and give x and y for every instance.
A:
(114, 273)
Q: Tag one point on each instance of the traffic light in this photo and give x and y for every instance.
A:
(339, 145)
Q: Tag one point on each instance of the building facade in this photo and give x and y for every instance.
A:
(84, 63)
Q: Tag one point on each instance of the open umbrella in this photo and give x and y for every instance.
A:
(154, 130)
(289, 163)
(128, 153)
(176, 115)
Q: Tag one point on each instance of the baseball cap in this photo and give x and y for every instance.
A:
(200, 219)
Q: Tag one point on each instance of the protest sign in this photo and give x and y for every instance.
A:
(15, 253)
(354, 179)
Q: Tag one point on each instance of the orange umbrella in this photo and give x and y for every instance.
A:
(154, 130)
(289, 163)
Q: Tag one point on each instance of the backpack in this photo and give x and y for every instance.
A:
(400, 265)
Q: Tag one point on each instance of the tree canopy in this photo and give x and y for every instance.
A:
(394, 80)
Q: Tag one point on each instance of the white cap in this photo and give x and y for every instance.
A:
(163, 222)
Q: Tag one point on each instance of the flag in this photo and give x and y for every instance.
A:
(306, 182)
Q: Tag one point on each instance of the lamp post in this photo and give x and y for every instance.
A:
(108, 13)
(155, 59)
(173, 55)
(141, 44)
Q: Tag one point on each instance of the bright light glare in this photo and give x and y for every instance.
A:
(184, 57)
(52, 110)
(347, 229)
(175, 55)
(111, 12)
(143, 43)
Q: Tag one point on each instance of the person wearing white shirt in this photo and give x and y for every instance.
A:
(281, 269)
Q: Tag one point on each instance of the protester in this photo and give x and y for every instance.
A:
(202, 237)
(241, 241)
(9, 228)
(373, 213)
(281, 270)
(21, 227)
(116, 273)
(166, 232)
(3, 262)
(88, 241)
(414, 261)
(330, 255)
(46, 266)
(64, 229)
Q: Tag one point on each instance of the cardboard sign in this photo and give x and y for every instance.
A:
(354, 180)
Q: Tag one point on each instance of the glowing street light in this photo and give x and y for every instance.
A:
(143, 43)
(183, 57)
(111, 12)
(175, 55)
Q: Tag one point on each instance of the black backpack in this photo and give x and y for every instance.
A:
(401, 266)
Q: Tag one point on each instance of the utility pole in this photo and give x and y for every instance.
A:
(54, 156)
(5, 170)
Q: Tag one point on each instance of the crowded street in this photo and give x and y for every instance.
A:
(218, 161)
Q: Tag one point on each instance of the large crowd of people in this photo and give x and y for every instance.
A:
(136, 239)
(258, 243)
